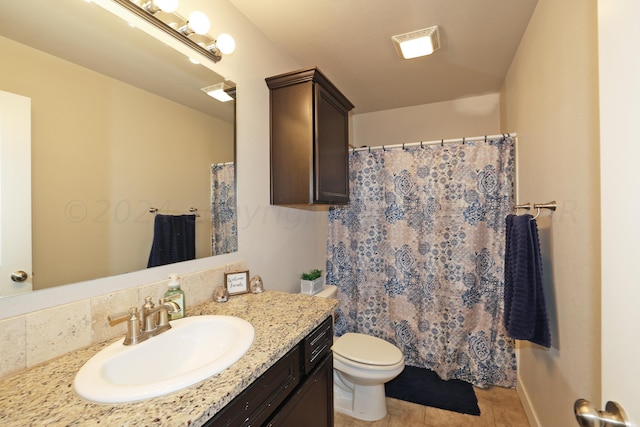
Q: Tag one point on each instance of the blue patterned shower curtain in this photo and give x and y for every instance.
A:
(418, 256)
(224, 215)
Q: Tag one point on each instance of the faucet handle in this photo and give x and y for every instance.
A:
(134, 334)
(116, 318)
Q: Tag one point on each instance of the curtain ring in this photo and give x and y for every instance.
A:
(421, 146)
(442, 142)
(383, 148)
(463, 140)
(353, 151)
(369, 149)
(403, 146)
(485, 139)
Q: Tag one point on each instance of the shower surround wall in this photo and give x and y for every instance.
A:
(42, 335)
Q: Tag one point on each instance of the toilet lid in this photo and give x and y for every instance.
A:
(367, 349)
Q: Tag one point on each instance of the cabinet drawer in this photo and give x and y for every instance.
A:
(255, 404)
(317, 344)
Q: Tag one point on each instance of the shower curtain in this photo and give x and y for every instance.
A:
(418, 255)
(224, 217)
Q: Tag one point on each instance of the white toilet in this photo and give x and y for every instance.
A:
(362, 364)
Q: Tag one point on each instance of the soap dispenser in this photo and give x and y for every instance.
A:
(175, 294)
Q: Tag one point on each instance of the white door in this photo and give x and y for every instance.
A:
(15, 194)
(619, 75)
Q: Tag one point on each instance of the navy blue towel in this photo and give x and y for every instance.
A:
(174, 239)
(525, 312)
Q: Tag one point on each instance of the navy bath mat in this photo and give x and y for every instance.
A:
(424, 387)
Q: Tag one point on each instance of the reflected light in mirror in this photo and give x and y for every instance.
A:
(218, 91)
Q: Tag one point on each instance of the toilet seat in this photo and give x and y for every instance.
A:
(367, 350)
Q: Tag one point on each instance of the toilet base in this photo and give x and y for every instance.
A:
(370, 403)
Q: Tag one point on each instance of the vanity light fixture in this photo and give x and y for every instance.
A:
(154, 6)
(219, 91)
(191, 32)
(417, 43)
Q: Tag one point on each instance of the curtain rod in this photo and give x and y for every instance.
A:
(441, 141)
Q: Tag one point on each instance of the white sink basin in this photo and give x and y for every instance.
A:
(194, 348)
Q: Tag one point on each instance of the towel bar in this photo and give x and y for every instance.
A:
(549, 205)
(191, 210)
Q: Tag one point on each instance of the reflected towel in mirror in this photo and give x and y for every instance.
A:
(174, 239)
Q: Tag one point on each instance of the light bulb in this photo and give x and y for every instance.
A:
(226, 44)
(168, 6)
(199, 22)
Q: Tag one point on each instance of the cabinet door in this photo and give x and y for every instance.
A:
(331, 150)
(292, 144)
(312, 404)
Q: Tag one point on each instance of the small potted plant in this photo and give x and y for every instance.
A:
(312, 282)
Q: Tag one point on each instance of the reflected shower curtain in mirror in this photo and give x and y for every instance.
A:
(224, 217)
(418, 256)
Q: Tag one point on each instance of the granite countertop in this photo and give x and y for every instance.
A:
(44, 396)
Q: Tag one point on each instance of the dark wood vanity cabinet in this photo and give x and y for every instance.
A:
(296, 391)
(311, 405)
(309, 139)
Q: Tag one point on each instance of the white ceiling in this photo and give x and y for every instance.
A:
(350, 41)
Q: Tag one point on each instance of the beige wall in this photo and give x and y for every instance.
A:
(277, 243)
(103, 152)
(475, 116)
(550, 97)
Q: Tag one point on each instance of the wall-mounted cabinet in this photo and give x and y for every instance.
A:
(309, 139)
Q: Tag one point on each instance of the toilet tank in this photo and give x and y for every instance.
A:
(328, 291)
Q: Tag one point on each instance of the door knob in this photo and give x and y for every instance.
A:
(19, 276)
(588, 416)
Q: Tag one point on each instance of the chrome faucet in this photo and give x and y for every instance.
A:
(150, 321)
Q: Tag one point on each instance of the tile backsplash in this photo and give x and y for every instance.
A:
(42, 335)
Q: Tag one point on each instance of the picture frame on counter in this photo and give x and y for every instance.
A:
(237, 282)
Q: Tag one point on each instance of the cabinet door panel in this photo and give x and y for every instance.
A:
(312, 404)
(331, 149)
(291, 144)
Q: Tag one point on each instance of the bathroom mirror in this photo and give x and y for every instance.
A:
(119, 126)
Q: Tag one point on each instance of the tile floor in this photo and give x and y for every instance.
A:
(499, 407)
